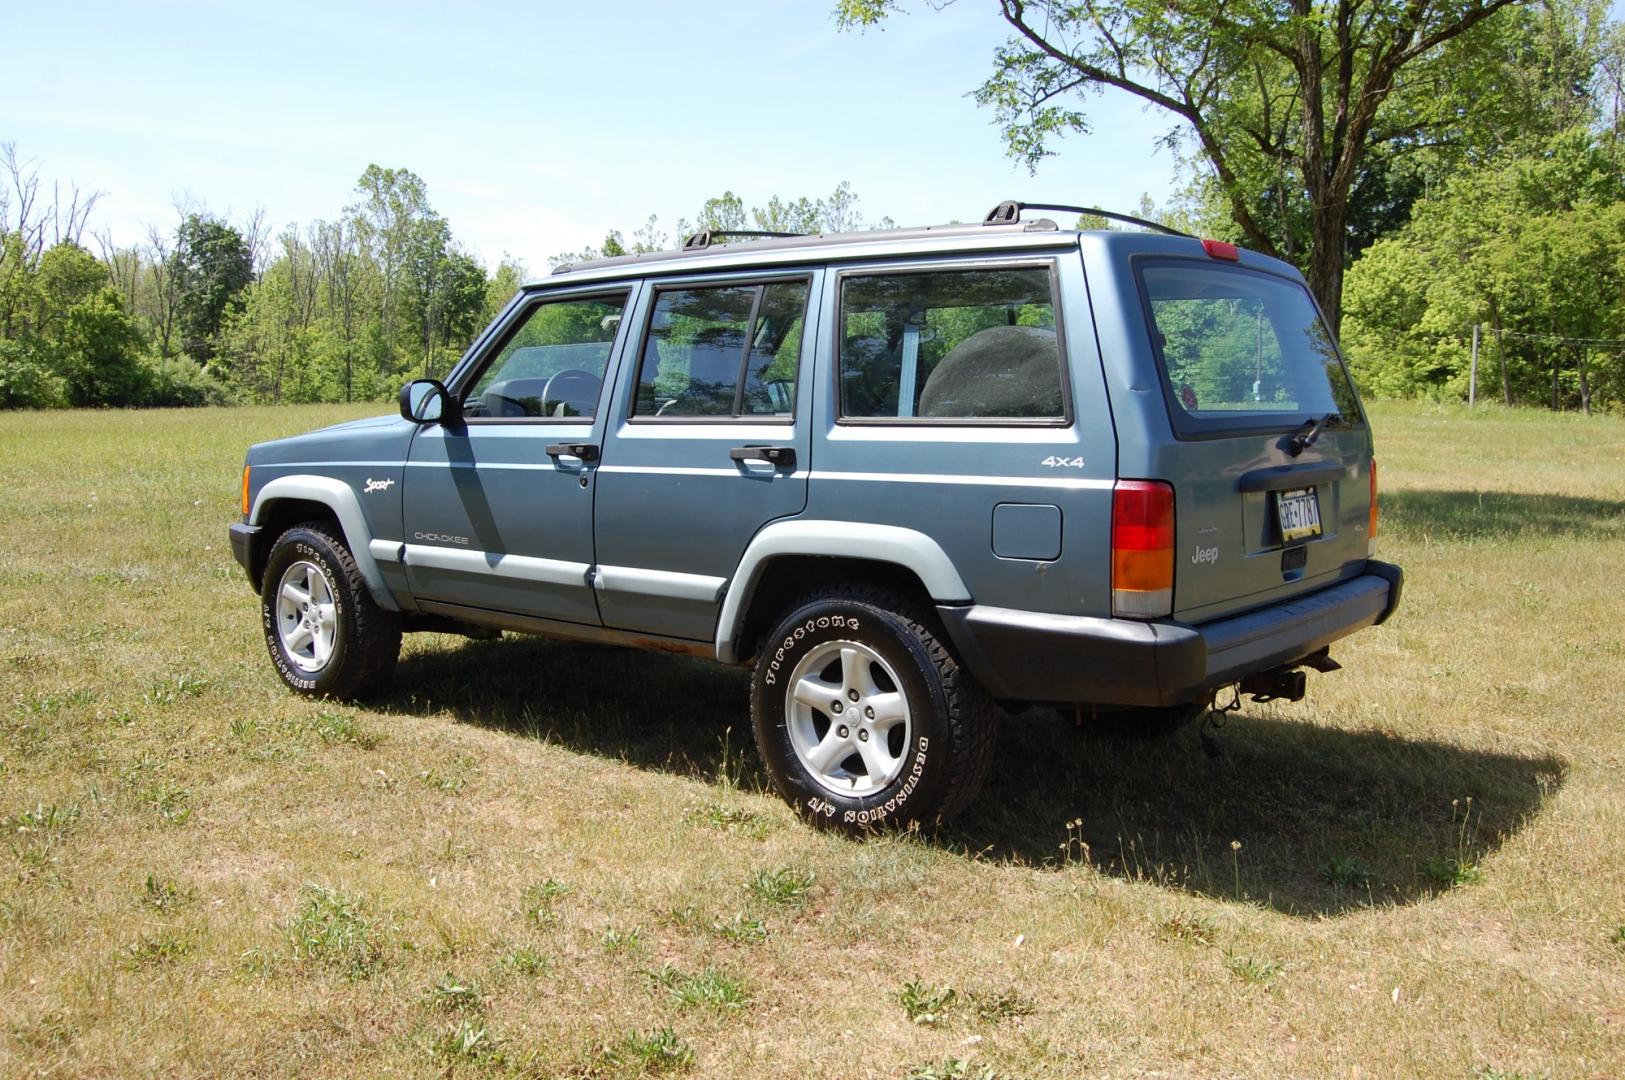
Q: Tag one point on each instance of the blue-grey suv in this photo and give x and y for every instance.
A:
(906, 475)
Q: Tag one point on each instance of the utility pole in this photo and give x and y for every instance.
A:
(1472, 380)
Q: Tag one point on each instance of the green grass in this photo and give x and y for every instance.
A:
(201, 874)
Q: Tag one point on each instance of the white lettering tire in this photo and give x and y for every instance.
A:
(863, 716)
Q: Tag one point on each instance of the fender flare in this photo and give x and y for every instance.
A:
(338, 497)
(908, 548)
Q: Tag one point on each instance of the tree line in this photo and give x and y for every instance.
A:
(1436, 169)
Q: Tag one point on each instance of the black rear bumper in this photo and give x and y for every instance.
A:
(1032, 656)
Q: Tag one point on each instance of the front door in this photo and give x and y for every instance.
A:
(498, 508)
(711, 442)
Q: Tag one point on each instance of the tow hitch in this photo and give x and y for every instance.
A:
(1283, 683)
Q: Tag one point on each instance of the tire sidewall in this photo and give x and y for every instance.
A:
(917, 790)
(307, 545)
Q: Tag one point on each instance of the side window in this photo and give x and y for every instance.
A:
(729, 350)
(552, 366)
(950, 344)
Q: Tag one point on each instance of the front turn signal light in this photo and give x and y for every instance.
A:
(245, 491)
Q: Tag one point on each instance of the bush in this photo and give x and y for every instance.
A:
(26, 379)
(178, 381)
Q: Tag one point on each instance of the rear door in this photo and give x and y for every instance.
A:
(1265, 442)
(710, 442)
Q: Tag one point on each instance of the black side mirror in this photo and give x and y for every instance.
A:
(427, 401)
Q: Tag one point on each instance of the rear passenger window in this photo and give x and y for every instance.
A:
(950, 344)
(723, 351)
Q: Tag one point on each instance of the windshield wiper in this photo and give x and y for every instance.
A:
(1312, 429)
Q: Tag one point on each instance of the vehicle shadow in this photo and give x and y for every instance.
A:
(1326, 819)
(1485, 515)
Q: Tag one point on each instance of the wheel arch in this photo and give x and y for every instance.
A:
(788, 557)
(288, 500)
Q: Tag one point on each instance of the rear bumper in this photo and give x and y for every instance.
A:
(1032, 656)
(245, 548)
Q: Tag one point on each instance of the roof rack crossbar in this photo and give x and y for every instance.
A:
(706, 237)
(1009, 212)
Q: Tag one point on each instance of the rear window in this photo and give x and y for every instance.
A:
(1241, 350)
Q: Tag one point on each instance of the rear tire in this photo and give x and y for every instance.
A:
(864, 717)
(326, 635)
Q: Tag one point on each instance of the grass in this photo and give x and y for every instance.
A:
(203, 875)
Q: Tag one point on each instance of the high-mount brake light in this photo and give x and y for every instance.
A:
(1371, 530)
(245, 491)
(1142, 549)
(1218, 249)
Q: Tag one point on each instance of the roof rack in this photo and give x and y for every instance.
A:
(1009, 212)
(706, 237)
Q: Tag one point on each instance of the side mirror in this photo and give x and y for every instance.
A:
(427, 401)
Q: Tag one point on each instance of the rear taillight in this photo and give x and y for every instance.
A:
(1371, 530)
(1142, 549)
(245, 491)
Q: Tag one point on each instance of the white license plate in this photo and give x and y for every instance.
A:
(1299, 514)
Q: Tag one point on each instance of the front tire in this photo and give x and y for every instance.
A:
(864, 717)
(326, 635)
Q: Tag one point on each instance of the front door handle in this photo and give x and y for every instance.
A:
(783, 457)
(584, 451)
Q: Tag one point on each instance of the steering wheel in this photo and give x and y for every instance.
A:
(572, 386)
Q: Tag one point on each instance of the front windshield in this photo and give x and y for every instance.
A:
(1242, 350)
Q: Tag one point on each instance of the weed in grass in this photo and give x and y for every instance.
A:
(450, 992)
(788, 885)
(709, 988)
(742, 929)
(998, 1006)
(719, 815)
(337, 932)
(332, 727)
(1346, 872)
(650, 1052)
(47, 823)
(1198, 929)
(162, 949)
(440, 781)
(1618, 936)
(257, 964)
(538, 902)
(616, 942)
(524, 960)
(1448, 872)
(1074, 850)
(951, 1069)
(925, 1004)
(166, 895)
(169, 691)
(1252, 969)
(52, 1031)
(173, 802)
(470, 1042)
(1490, 1072)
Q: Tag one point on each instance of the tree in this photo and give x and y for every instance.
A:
(211, 266)
(1298, 91)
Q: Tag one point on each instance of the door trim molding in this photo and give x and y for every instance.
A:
(516, 567)
(665, 583)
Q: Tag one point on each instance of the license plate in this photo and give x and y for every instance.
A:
(1299, 514)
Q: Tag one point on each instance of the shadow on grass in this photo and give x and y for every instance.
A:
(1328, 820)
(1492, 515)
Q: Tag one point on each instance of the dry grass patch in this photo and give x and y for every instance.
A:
(532, 858)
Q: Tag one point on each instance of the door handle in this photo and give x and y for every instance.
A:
(584, 451)
(783, 457)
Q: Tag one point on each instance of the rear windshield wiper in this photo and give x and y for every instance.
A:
(1311, 431)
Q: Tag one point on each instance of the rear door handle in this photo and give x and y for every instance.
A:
(783, 457)
(584, 451)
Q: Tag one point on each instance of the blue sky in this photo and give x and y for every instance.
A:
(536, 126)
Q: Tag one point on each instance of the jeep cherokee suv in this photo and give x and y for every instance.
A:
(903, 474)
